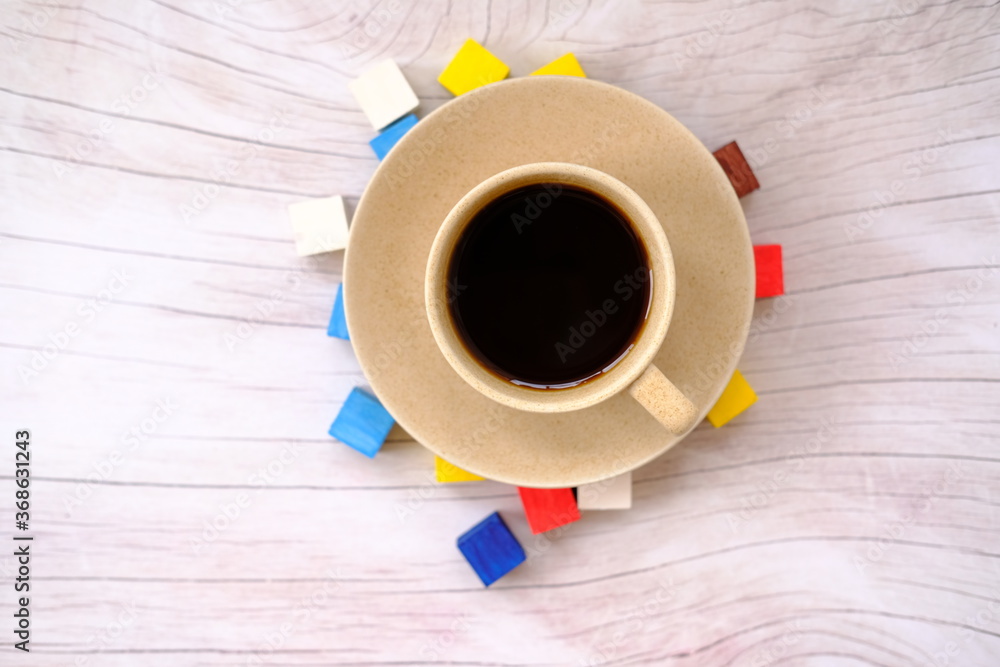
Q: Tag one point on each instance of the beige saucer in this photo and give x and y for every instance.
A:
(503, 125)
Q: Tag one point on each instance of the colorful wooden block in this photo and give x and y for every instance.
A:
(473, 66)
(383, 93)
(449, 472)
(319, 225)
(566, 65)
(736, 397)
(548, 508)
(737, 169)
(388, 137)
(491, 549)
(362, 423)
(338, 322)
(608, 494)
(770, 271)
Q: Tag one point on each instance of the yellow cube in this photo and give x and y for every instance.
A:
(567, 65)
(737, 397)
(473, 66)
(446, 472)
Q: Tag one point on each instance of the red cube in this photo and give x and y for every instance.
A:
(770, 274)
(548, 508)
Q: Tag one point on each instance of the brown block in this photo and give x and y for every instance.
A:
(737, 169)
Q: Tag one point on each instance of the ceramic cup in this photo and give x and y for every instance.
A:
(635, 371)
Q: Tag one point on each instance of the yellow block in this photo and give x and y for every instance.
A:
(446, 472)
(473, 66)
(737, 397)
(567, 65)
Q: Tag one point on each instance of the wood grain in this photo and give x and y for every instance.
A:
(849, 518)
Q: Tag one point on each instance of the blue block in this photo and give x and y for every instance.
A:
(362, 423)
(388, 137)
(338, 323)
(491, 549)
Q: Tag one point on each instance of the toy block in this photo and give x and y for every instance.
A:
(491, 549)
(473, 66)
(449, 472)
(737, 169)
(388, 137)
(383, 93)
(566, 65)
(770, 271)
(362, 423)
(608, 494)
(338, 323)
(736, 397)
(319, 225)
(548, 508)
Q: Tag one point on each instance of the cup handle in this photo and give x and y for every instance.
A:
(663, 400)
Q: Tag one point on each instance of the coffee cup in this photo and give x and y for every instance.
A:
(550, 288)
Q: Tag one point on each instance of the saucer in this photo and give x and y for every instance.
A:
(488, 130)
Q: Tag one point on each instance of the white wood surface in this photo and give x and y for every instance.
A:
(849, 518)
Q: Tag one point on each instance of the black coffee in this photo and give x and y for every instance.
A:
(549, 286)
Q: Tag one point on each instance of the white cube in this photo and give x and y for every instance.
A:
(383, 93)
(609, 494)
(319, 225)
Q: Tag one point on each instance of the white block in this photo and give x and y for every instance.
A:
(319, 225)
(610, 494)
(384, 94)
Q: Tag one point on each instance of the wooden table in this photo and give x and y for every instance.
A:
(188, 507)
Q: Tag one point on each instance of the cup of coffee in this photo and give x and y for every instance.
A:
(550, 288)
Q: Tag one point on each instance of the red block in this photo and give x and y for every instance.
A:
(548, 508)
(770, 273)
(737, 168)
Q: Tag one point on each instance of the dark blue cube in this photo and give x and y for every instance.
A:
(362, 423)
(338, 322)
(491, 549)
